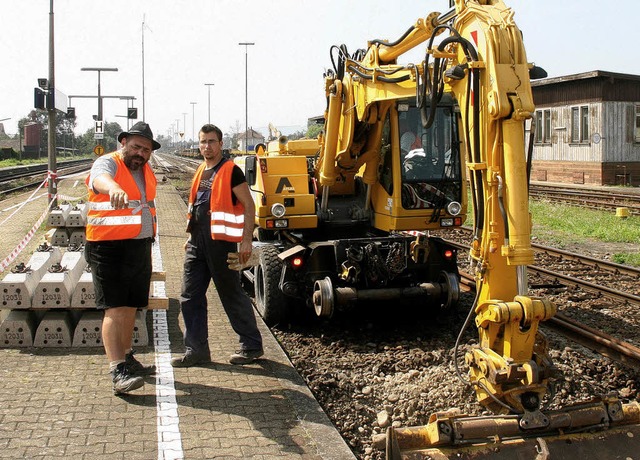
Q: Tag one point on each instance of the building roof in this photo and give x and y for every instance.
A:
(251, 134)
(584, 76)
(10, 144)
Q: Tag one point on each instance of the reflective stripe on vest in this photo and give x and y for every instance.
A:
(115, 220)
(134, 205)
(224, 223)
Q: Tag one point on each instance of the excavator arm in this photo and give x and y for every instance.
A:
(483, 64)
(489, 75)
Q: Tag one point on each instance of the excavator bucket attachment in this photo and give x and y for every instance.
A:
(601, 429)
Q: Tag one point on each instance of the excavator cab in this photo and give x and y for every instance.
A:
(422, 172)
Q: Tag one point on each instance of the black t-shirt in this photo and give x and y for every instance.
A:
(203, 195)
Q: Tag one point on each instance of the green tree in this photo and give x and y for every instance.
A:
(165, 142)
(64, 129)
(86, 142)
(314, 130)
(297, 135)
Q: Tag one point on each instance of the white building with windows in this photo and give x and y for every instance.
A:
(587, 129)
(249, 139)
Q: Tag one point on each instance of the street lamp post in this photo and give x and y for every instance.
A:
(193, 121)
(246, 94)
(209, 85)
(99, 69)
(52, 188)
(184, 128)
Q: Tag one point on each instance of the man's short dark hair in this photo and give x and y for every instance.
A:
(209, 128)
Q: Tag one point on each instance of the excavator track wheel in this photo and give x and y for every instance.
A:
(323, 300)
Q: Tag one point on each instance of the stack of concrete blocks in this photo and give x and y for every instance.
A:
(18, 288)
(54, 294)
(76, 223)
(58, 219)
(52, 304)
(69, 222)
(88, 331)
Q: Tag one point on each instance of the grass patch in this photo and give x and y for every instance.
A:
(569, 223)
(563, 225)
(632, 258)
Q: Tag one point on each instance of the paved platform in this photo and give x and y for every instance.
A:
(58, 403)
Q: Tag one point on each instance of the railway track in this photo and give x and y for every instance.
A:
(599, 341)
(23, 177)
(583, 334)
(600, 199)
(563, 280)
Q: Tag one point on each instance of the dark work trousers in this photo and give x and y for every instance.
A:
(206, 259)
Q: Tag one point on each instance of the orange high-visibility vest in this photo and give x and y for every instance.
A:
(104, 223)
(227, 219)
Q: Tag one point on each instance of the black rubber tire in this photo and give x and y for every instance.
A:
(271, 303)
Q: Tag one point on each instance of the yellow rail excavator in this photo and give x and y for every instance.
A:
(348, 217)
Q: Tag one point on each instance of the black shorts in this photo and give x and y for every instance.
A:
(121, 272)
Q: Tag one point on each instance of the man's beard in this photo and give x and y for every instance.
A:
(134, 165)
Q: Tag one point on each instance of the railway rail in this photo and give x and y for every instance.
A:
(33, 175)
(600, 199)
(562, 280)
(599, 341)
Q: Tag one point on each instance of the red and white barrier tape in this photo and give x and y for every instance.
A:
(28, 200)
(22, 244)
(71, 198)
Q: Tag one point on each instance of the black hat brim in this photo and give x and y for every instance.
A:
(124, 134)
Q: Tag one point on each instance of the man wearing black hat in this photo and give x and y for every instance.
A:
(121, 226)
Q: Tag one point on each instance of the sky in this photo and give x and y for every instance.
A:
(183, 45)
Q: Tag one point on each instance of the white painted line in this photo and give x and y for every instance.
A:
(169, 439)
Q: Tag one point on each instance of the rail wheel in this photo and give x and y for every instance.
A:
(323, 300)
(452, 285)
(270, 301)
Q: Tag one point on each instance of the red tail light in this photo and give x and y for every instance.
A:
(296, 262)
(448, 254)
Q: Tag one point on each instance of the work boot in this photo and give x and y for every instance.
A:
(123, 381)
(192, 358)
(135, 367)
(245, 356)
